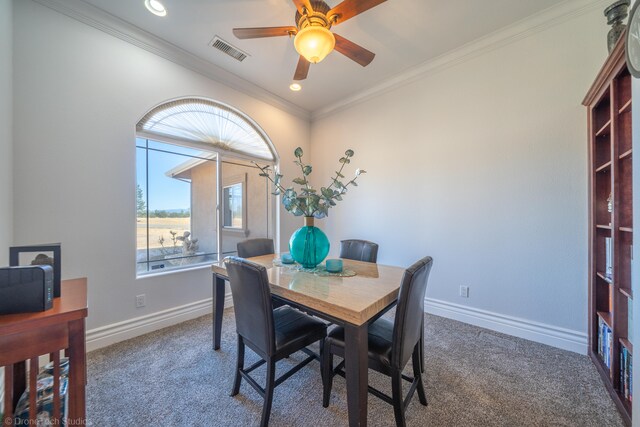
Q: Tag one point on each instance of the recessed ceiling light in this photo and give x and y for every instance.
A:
(295, 87)
(155, 7)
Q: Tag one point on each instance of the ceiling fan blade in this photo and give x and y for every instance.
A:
(350, 8)
(302, 69)
(301, 4)
(254, 33)
(353, 51)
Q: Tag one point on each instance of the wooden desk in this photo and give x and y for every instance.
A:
(352, 302)
(27, 336)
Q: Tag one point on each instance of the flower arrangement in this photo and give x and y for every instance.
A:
(307, 200)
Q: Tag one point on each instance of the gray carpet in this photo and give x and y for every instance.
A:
(473, 377)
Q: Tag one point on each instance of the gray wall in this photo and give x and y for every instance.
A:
(6, 129)
(78, 97)
(481, 163)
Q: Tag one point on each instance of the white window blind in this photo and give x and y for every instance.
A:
(204, 121)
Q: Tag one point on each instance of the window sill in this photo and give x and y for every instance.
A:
(194, 267)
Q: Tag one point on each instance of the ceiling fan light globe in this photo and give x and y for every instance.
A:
(314, 43)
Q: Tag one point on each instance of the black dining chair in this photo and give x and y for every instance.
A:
(271, 334)
(391, 344)
(255, 247)
(364, 250)
(359, 250)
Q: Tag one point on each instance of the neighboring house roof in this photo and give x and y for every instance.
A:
(183, 170)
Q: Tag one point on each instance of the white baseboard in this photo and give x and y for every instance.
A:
(565, 339)
(131, 328)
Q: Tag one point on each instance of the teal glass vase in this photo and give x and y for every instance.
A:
(309, 246)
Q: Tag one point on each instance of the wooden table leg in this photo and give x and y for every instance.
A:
(357, 372)
(8, 385)
(77, 372)
(218, 310)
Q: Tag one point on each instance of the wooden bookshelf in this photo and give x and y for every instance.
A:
(609, 107)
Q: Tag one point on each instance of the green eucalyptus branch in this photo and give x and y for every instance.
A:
(345, 161)
(264, 171)
(309, 202)
(306, 171)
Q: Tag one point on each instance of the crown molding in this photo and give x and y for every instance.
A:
(112, 25)
(116, 27)
(522, 29)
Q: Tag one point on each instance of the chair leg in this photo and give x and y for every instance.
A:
(327, 376)
(321, 344)
(239, 365)
(422, 345)
(417, 375)
(396, 396)
(268, 393)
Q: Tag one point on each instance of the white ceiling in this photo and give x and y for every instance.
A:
(402, 33)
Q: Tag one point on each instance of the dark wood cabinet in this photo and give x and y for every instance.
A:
(609, 106)
(26, 337)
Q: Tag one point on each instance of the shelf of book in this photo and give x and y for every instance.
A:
(627, 344)
(606, 318)
(625, 389)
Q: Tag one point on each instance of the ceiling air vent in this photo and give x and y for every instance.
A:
(227, 48)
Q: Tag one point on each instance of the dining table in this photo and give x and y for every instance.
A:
(352, 302)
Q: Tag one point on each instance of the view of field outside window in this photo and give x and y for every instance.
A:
(176, 198)
(164, 207)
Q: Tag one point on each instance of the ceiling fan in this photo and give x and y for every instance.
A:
(313, 40)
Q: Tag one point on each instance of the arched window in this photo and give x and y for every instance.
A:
(198, 194)
(210, 124)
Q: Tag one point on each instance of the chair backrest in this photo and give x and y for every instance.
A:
(252, 304)
(359, 250)
(255, 247)
(410, 311)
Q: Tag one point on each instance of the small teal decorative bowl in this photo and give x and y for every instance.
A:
(287, 259)
(333, 265)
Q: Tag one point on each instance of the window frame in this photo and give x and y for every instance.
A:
(230, 182)
(273, 203)
(173, 269)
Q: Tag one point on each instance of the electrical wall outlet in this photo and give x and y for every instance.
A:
(464, 291)
(141, 300)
